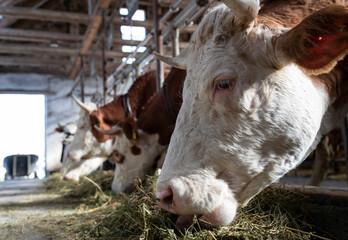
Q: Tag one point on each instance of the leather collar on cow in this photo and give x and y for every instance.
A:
(168, 103)
(126, 105)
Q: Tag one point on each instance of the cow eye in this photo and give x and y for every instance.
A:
(221, 85)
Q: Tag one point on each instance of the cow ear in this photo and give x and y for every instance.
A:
(130, 129)
(319, 41)
(177, 62)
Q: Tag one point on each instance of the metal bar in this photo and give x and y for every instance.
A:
(103, 59)
(175, 42)
(14, 167)
(82, 84)
(158, 42)
(174, 8)
(28, 163)
(183, 15)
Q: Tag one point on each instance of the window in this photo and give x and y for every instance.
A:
(129, 61)
(129, 49)
(139, 15)
(133, 33)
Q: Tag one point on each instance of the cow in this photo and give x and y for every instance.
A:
(263, 85)
(141, 143)
(90, 148)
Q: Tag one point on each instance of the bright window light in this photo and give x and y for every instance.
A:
(139, 15)
(129, 61)
(128, 49)
(133, 33)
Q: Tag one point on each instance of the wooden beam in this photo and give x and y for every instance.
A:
(40, 70)
(33, 62)
(29, 4)
(89, 36)
(37, 36)
(27, 49)
(9, 3)
(44, 15)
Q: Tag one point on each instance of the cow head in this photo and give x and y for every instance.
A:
(84, 146)
(253, 107)
(138, 150)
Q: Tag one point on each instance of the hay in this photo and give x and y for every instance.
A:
(273, 214)
(94, 190)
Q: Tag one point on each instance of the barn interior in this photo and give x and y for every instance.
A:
(88, 48)
(94, 49)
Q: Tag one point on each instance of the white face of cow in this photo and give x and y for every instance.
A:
(135, 165)
(84, 147)
(249, 115)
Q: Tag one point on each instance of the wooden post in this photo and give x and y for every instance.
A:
(159, 45)
(103, 58)
(175, 42)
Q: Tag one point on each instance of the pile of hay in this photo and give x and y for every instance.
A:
(93, 190)
(273, 214)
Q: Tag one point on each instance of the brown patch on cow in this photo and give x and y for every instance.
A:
(154, 118)
(342, 84)
(59, 129)
(319, 41)
(332, 20)
(288, 13)
(113, 113)
(135, 150)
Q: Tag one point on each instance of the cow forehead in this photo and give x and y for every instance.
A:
(218, 45)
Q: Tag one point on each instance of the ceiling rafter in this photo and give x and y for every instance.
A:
(90, 34)
(28, 49)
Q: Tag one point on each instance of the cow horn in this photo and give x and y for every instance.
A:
(245, 11)
(82, 105)
(115, 130)
(177, 62)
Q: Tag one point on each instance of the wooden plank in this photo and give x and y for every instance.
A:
(44, 15)
(312, 190)
(26, 69)
(89, 36)
(5, 3)
(35, 35)
(28, 49)
(61, 16)
(33, 62)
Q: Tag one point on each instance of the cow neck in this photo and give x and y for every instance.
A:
(168, 103)
(141, 92)
(339, 87)
(156, 107)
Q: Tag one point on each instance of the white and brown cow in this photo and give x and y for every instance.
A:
(263, 85)
(90, 148)
(142, 142)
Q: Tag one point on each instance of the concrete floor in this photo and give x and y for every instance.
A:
(25, 210)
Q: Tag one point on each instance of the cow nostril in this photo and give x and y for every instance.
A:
(168, 200)
(165, 197)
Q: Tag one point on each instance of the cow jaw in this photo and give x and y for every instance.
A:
(73, 170)
(135, 165)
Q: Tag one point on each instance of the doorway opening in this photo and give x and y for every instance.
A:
(22, 135)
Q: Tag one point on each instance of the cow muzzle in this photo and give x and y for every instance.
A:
(185, 198)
